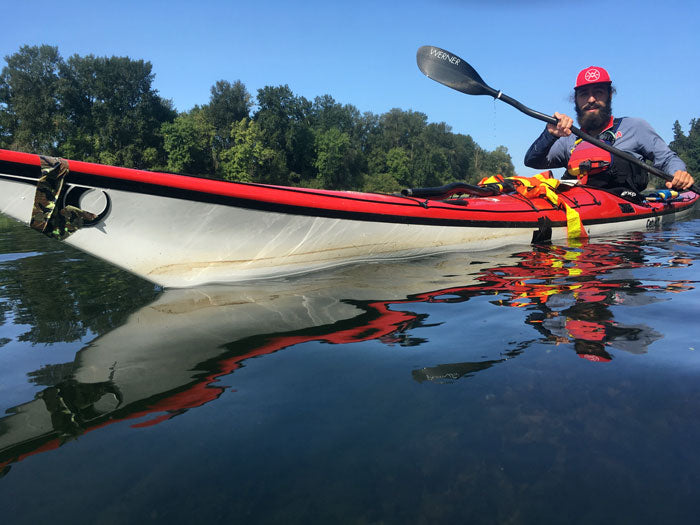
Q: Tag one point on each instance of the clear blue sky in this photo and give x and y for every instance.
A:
(363, 53)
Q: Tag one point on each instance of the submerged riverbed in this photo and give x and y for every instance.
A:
(548, 384)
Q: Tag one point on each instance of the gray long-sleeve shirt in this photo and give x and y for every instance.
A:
(635, 136)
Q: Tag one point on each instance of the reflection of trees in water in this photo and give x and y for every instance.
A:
(61, 302)
(52, 374)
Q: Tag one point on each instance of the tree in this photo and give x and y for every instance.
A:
(248, 159)
(431, 165)
(461, 158)
(402, 129)
(398, 165)
(336, 160)
(326, 113)
(105, 110)
(30, 117)
(188, 143)
(688, 147)
(284, 119)
(113, 114)
(395, 175)
(228, 104)
(497, 162)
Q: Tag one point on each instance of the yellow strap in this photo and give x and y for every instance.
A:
(543, 185)
(574, 227)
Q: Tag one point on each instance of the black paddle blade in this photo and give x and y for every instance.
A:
(450, 70)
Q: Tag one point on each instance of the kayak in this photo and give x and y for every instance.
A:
(182, 231)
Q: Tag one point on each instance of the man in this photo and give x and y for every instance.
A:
(556, 147)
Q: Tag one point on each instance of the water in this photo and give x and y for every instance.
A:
(530, 385)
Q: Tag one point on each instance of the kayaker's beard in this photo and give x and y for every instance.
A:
(592, 122)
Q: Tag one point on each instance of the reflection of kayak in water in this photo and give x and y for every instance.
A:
(181, 231)
(171, 354)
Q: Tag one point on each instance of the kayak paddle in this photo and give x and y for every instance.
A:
(452, 71)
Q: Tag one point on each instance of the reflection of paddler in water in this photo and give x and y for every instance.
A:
(569, 302)
(579, 310)
(591, 328)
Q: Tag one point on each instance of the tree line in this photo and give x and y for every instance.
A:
(688, 146)
(105, 110)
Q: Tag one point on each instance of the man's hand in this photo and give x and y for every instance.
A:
(681, 181)
(563, 127)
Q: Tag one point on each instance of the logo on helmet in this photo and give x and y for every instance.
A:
(592, 75)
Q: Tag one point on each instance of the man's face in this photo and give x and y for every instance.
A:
(593, 107)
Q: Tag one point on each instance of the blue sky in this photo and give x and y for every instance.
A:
(363, 53)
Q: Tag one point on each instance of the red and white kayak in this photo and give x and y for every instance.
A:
(180, 231)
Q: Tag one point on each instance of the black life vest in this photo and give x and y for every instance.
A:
(602, 169)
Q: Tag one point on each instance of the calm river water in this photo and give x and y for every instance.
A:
(551, 384)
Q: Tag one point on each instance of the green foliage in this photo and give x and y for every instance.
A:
(284, 119)
(90, 108)
(248, 159)
(336, 160)
(188, 143)
(497, 161)
(414, 153)
(397, 169)
(29, 106)
(228, 104)
(688, 146)
(105, 110)
(398, 165)
(326, 113)
(381, 183)
(112, 113)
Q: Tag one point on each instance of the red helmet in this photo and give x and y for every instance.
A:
(592, 75)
